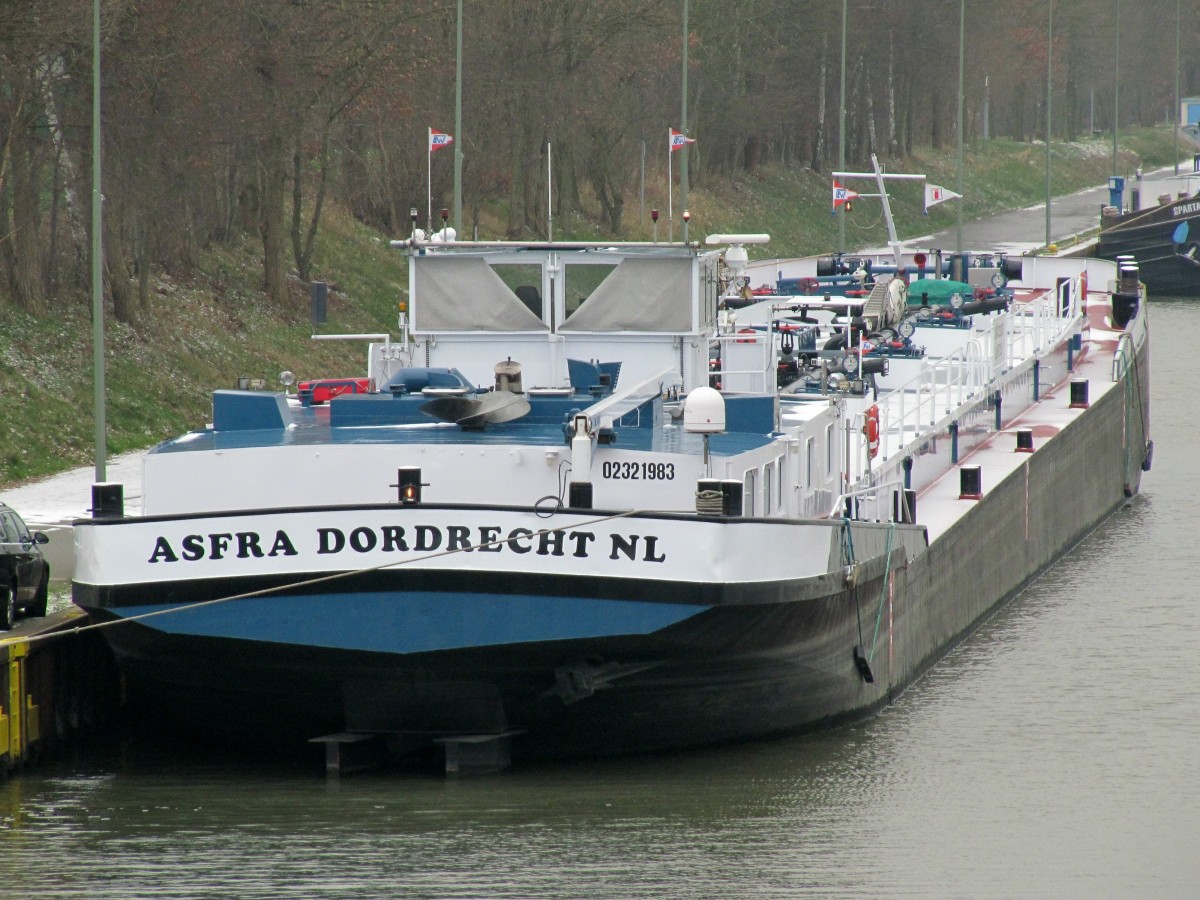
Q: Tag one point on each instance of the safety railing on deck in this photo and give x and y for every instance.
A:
(884, 502)
(948, 383)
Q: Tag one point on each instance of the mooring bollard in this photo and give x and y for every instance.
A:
(1079, 393)
(970, 483)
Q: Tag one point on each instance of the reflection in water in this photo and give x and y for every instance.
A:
(1052, 754)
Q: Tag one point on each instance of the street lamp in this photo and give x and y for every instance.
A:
(1116, 86)
(1049, 95)
(97, 262)
(962, 31)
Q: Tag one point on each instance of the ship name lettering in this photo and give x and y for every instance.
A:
(391, 539)
(241, 544)
(486, 539)
(431, 538)
(627, 546)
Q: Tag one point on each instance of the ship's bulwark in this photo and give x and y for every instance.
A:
(723, 674)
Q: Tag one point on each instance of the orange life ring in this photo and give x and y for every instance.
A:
(871, 430)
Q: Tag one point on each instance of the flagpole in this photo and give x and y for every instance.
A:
(1049, 120)
(670, 191)
(97, 260)
(842, 131)
(962, 31)
(458, 159)
(429, 179)
(549, 195)
(683, 169)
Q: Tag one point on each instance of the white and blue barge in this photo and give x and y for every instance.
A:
(603, 498)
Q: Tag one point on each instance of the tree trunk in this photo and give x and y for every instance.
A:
(116, 269)
(872, 143)
(64, 172)
(893, 142)
(27, 257)
(304, 251)
(141, 250)
(936, 137)
(1018, 112)
(516, 188)
(817, 159)
(273, 172)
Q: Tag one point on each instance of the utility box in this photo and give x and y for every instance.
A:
(1116, 191)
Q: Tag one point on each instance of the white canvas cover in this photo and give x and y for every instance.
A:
(648, 295)
(464, 294)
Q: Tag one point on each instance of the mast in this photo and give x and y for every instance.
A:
(880, 177)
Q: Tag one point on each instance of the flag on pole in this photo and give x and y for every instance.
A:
(437, 140)
(935, 193)
(679, 139)
(841, 195)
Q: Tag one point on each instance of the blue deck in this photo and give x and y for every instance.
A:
(244, 420)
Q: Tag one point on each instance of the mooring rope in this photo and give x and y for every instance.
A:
(1135, 387)
(887, 569)
(848, 556)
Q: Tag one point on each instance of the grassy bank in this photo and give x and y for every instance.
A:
(209, 326)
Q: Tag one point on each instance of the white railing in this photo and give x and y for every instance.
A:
(758, 352)
(870, 504)
(1043, 323)
(945, 385)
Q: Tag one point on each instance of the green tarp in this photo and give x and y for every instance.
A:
(937, 292)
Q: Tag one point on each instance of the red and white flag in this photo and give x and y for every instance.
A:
(842, 195)
(935, 193)
(438, 140)
(679, 139)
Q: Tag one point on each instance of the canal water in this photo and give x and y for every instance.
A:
(1055, 754)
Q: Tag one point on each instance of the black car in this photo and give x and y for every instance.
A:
(24, 572)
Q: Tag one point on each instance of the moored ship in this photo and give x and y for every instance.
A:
(1163, 239)
(583, 506)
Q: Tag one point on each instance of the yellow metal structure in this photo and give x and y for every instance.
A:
(13, 737)
(72, 679)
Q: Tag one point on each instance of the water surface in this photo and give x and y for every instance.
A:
(1055, 754)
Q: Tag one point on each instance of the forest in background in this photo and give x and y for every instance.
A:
(226, 120)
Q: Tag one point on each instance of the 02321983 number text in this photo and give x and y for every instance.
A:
(638, 471)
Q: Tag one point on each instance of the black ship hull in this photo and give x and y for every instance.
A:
(1165, 244)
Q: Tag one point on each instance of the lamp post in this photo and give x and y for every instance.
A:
(962, 33)
(97, 266)
(1049, 95)
(1116, 86)
(1175, 114)
(458, 135)
(683, 163)
(842, 133)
